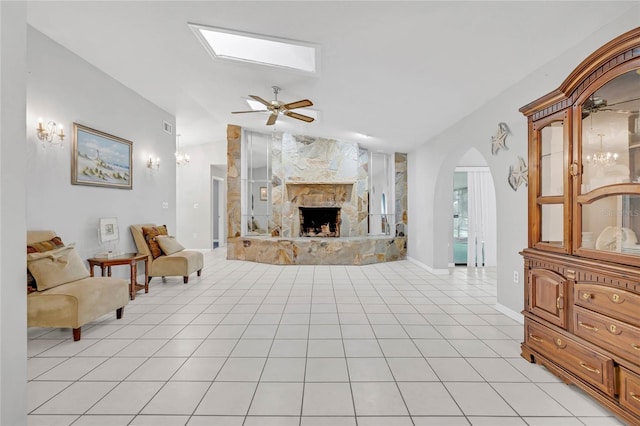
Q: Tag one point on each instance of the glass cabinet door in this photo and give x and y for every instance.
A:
(608, 201)
(550, 159)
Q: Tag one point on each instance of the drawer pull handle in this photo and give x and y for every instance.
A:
(634, 396)
(586, 296)
(587, 326)
(559, 301)
(588, 368)
(535, 338)
(636, 347)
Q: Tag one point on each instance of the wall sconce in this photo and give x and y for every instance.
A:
(47, 134)
(153, 164)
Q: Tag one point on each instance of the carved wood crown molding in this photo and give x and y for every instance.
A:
(620, 50)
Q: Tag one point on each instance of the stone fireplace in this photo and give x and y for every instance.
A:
(319, 221)
(318, 204)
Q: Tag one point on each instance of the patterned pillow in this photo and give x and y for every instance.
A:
(40, 247)
(150, 233)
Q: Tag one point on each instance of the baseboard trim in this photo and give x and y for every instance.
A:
(516, 316)
(429, 268)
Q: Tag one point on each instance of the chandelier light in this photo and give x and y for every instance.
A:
(181, 157)
(602, 158)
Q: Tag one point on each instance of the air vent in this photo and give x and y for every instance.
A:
(167, 127)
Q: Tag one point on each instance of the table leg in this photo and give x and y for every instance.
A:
(109, 270)
(146, 275)
(103, 269)
(134, 273)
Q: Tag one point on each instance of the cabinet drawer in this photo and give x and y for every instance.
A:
(591, 366)
(630, 390)
(614, 335)
(619, 304)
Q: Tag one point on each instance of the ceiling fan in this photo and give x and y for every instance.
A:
(277, 107)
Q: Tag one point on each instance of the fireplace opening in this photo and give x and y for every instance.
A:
(319, 221)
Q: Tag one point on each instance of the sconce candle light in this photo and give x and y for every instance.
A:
(153, 164)
(47, 134)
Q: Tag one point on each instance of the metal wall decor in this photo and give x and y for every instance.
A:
(499, 141)
(518, 174)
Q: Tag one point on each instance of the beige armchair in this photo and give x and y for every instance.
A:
(178, 263)
(66, 297)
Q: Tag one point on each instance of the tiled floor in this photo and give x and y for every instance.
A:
(253, 344)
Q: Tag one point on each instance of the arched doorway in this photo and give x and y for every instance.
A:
(474, 239)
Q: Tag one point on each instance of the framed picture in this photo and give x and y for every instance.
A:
(108, 229)
(263, 193)
(100, 159)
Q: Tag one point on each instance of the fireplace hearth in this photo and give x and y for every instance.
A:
(319, 221)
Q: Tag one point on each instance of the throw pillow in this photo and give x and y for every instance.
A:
(55, 267)
(169, 245)
(150, 233)
(41, 246)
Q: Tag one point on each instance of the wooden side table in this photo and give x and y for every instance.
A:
(130, 259)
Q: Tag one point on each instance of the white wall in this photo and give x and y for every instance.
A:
(430, 204)
(13, 313)
(65, 88)
(193, 200)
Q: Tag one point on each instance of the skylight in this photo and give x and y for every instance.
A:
(246, 47)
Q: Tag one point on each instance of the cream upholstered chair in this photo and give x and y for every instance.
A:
(67, 297)
(178, 263)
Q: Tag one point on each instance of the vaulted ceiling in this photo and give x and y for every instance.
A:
(399, 72)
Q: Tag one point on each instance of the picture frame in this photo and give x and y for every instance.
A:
(108, 229)
(263, 193)
(100, 159)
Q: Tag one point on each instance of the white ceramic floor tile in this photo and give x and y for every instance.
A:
(454, 370)
(50, 420)
(440, 421)
(496, 370)
(76, 399)
(72, 369)
(114, 369)
(327, 399)
(252, 348)
(362, 348)
(127, 398)
(141, 348)
(378, 399)
(436, 348)
(520, 396)
(158, 369)
(328, 421)
(399, 348)
(227, 399)
(40, 392)
(104, 420)
(179, 348)
(277, 399)
(326, 370)
(164, 420)
(411, 370)
(177, 398)
(369, 370)
(288, 348)
(322, 348)
(199, 369)
(284, 370)
(215, 348)
(478, 399)
(241, 370)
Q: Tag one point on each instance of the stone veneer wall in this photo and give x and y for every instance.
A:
(303, 167)
(234, 185)
(401, 194)
(307, 164)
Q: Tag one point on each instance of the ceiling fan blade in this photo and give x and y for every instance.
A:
(298, 116)
(272, 119)
(259, 99)
(298, 104)
(243, 112)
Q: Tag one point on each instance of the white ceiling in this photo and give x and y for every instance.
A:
(400, 72)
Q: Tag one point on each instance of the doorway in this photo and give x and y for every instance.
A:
(217, 212)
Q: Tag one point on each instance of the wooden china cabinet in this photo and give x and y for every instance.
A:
(582, 266)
